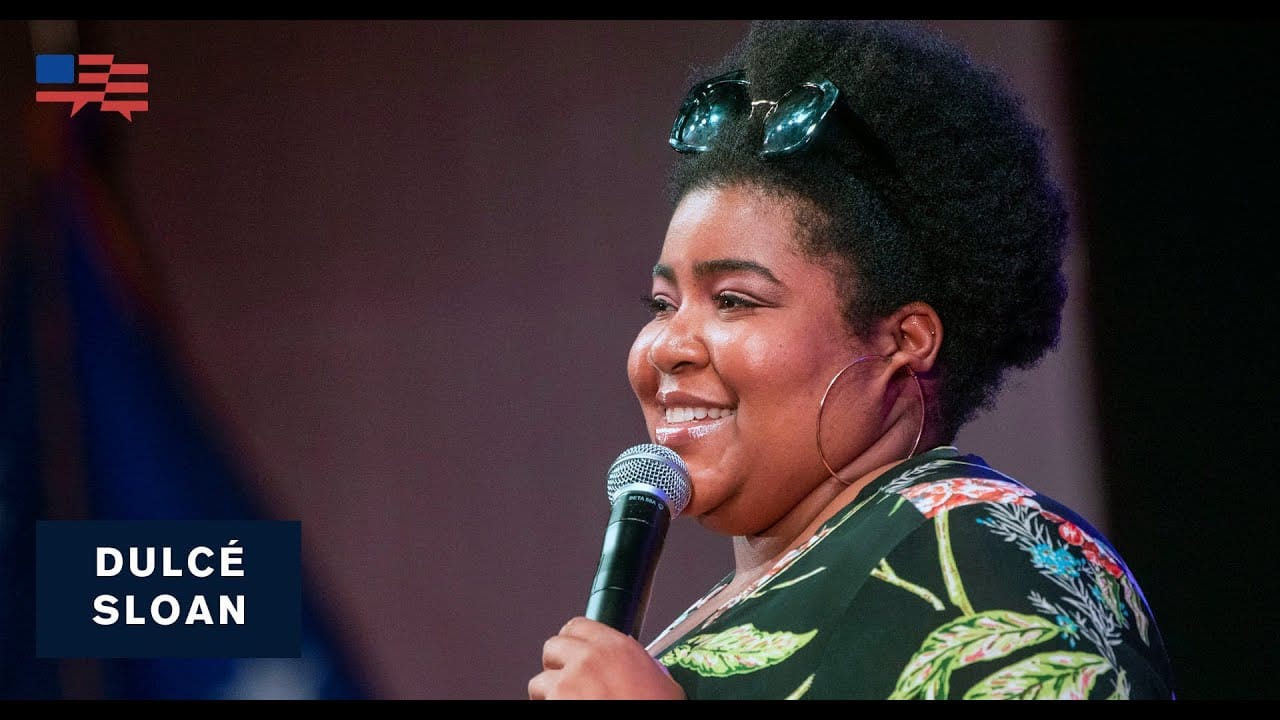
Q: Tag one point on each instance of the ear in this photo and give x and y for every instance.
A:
(915, 333)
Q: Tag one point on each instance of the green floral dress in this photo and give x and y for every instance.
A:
(943, 579)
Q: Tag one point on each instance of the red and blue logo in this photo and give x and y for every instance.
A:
(87, 79)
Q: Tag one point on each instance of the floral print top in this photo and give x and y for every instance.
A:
(943, 579)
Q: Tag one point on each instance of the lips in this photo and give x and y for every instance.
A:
(682, 433)
(687, 417)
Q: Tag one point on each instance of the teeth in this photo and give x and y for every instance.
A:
(687, 414)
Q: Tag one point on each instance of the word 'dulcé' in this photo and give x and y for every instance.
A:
(201, 561)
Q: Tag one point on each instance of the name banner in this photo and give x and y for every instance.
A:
(156, 588)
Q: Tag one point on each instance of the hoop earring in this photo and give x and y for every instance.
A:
(823, 403)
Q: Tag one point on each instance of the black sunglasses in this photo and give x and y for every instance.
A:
(789, 123)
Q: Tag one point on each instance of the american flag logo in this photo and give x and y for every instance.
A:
(92, 79)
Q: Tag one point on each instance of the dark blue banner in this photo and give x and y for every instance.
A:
(156, 588)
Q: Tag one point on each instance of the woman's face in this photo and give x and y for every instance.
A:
(746, 336)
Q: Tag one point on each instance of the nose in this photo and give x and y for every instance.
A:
(679, 344)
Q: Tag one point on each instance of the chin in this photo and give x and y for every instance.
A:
(720, 518)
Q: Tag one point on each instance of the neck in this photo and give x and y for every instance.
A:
(755, 554)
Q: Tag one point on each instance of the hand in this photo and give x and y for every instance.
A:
(589, 660)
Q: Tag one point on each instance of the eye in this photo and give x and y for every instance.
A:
(730, 301)
(657, 305)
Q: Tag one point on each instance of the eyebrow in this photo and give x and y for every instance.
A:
(712, 267)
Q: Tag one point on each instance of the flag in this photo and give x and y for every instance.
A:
(147, 447)
(85, 79)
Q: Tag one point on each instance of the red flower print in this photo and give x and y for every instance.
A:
(1094, 553)
(1070, 533)
(932, 498)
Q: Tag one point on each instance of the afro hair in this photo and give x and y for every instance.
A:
(930, 185)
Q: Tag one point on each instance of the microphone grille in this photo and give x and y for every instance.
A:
(655, 466)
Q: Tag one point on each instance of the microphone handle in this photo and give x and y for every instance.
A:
(632, 545)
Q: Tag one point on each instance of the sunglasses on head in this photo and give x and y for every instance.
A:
(790, 122)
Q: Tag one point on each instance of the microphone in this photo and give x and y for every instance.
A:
(648, 485)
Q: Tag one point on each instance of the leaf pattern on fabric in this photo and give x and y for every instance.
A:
(971, 639)
(1101, 599)
(1047, 676)
(1139, 615)
(735, 651)
(1122, 686)
(1108, 592)
(1083, 605)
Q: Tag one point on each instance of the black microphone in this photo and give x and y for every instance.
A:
(648, 485)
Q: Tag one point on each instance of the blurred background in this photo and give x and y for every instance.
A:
(381, 277)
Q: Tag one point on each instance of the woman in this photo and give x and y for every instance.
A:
(865, 239)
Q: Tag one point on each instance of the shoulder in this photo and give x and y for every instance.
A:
(1022, 581)
(1017, 539)
(1003, 508)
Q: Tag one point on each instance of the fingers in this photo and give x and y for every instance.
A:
(557, 650)
(556, 653)
(574, 624)
(588, 659)
(586, 629)
(540, 686)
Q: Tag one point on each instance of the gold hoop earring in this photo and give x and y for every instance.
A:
(823, 403)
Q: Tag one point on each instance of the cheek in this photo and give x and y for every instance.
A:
(769, 362)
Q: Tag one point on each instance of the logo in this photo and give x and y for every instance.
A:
(92, 79)
(168, 588)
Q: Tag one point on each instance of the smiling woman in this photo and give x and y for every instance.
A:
(744, 322)
(865, 238)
